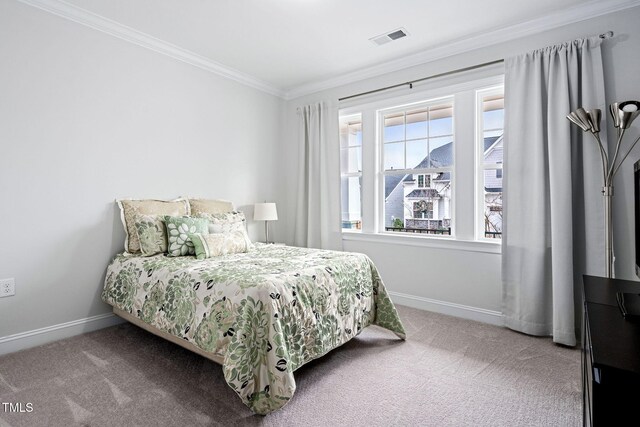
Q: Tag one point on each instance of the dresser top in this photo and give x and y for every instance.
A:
(615, 340)
(601, 290)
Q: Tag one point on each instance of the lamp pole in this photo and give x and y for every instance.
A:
(266, 231)
(607, 192)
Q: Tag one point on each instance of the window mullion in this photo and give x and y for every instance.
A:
(369, 171)
(464, 165)
(428, 136)
(404, 122)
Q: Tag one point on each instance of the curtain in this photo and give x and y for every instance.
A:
(553, 211)
(317, 221)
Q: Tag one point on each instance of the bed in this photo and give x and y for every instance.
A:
(260, 314)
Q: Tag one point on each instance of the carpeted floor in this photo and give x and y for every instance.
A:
(449, 372)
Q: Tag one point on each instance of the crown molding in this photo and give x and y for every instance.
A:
(571, 15)
(567, 16)
(105, 25)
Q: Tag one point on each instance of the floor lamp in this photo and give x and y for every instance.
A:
(623, 113)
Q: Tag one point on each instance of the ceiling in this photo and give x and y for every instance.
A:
(290, 44)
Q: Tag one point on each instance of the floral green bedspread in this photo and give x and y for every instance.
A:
(266, 312)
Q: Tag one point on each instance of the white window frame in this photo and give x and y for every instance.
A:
(463, 204)
(480, 165)
(381, 172)
(348, 118)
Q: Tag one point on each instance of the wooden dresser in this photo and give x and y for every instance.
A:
(610, 355)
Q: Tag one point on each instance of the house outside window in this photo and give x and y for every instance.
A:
(417, 146)
(424, 160)
(490, 107)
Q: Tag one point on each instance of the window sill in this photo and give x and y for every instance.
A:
(425, 242)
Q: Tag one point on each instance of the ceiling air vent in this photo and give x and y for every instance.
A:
(390, 36)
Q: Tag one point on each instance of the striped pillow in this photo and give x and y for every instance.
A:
(217, 244)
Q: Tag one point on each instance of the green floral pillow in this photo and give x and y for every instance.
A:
(178, 230)
(211, 245)
(152, 234)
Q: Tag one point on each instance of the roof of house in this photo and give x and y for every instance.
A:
(443, 176)
(443, 156)
(488, 142)
(423, 193)
(391, 182)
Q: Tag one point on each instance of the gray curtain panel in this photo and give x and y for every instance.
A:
(553, 220)
(317, 221)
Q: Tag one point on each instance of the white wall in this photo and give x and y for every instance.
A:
(621, 58)
(86, 118)
(473, 278)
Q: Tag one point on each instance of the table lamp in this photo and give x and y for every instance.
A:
(265, 212)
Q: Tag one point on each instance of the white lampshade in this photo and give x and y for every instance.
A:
(265, 212)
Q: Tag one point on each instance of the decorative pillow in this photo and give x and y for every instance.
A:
(211, 245)
(206, 206)
(178, 231)
(129, 209)
(224, 222)
(152, 234)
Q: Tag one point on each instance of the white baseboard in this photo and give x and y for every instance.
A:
(452, 309)
(36, 337)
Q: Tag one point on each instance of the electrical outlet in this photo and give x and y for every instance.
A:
(7, 287)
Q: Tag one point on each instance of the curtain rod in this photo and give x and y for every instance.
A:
(606, 35)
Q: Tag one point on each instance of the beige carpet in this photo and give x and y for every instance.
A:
(449, 372)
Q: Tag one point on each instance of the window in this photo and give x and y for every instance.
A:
(491, 129)
(351, 171)
(423, 209)
(430, 162)
(424, 181)
(417, 154)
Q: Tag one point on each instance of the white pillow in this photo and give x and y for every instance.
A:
(224, 222)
